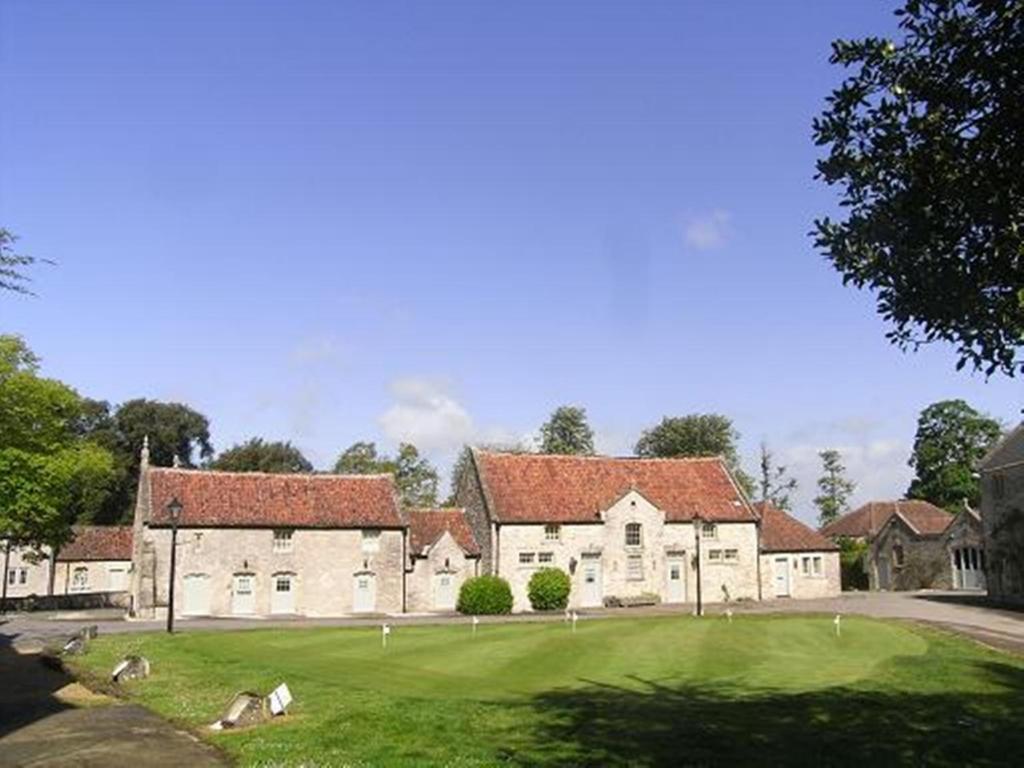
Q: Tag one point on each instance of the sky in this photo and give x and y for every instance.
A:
(326, 222)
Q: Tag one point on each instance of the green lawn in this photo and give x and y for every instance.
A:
(655, 691)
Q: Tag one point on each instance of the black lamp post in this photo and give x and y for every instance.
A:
(174, 510)
(698, 531)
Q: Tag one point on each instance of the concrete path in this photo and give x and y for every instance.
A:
(47, 719)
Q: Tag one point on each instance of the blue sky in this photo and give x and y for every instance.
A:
(326, 222)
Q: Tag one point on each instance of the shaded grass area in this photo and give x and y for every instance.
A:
(652, 691)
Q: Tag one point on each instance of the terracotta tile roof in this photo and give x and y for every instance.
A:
(868, 519)
(426, 526)
(781, 532)
(537, 488)
(98, 542)
(256, 499)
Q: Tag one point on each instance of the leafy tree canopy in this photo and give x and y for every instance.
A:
(951, 438)
(415, 477)
(50, 476)
(698, 434)
(12, 265)
(835, 488)
(926, 139)
(567, 432)
(255, 455)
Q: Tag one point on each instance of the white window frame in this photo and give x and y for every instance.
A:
(284, 540)
(283, 578)
(552, 532)
(638, 529)
(545, 558)
(709, 530)
(731, 556)
(817, 566)
(371, 540)
(12, 576)
(80, 585)
(22, 576)
(714, 555)
(527, 558)
(805, 565)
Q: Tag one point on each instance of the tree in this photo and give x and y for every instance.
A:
(951, 438)
(255, 455)
(834, 486)
(567, 432)
(464, 462)
(174, 430)
(698, 434)
(50, 476)
(926, 140)
(776, 486)
(415, 477)
(12, 265)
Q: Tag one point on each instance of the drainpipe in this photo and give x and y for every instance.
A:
(757, 550)
(697, 533)
(7, 565)
(496, 564)
(405, 534)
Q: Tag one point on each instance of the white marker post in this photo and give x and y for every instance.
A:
(476, 621)
(575, 618)
(728, 614)
(385, 630)
(836, 622)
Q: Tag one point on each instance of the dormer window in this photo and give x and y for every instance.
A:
(708, 531)
(282, 540)
(634, 535)
(552, 532)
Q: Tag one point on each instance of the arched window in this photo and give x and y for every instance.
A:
(634, 534)
(897, 555)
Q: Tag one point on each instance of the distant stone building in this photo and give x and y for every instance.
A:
(1002, 514)
(443, 553)
(796, 561)
(915, 545)
(27, 571)
(622, 528)
(254, 544)
(97, 559)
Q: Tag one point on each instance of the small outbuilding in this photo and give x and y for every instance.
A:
(443, 553)
(796, 560)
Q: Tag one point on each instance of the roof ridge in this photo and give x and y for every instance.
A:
(598, 457)
(302, 475)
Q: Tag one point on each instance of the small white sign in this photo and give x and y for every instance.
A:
(280, 698)
(385, 630)
(836, 622)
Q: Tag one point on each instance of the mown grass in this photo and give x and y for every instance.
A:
(652, 691)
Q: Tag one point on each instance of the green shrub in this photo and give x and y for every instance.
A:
(485, 595)
(549, 589)
(852, 554)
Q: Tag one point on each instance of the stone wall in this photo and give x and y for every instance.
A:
(925, 560)
(322, 563)
(802, 586)
(1002, 514)
(470, 496)
(445, 557)
(606, 541)
(100, 576)
(37, 573)
(79, 601)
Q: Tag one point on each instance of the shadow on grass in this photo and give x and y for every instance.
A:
(655, 724)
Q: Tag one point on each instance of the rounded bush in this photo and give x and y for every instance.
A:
(485, 595)
(549, 589)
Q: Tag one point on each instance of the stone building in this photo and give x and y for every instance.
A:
(622, 528)
(254, 544)
(443, 553)
(796, 561)
(907, 546)
(965, 543)
(97, 559)
(1002, 514)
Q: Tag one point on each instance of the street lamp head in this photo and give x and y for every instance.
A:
(174, 508)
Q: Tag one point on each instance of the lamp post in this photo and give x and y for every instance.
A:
(174, 510)
(698, 533)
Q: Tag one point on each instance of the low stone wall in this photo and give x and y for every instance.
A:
(79, 601)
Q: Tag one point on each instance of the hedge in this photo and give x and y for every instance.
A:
(485, 595)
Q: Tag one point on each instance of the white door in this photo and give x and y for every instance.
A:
(197, 595)
(117, 579)
(282, 598)
(591, 595)
(781, 570)
(676, 580)
(364, 593)
(243, 596)
(444, 592)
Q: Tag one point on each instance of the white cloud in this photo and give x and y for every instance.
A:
(316, 350)
(426, 414)
(707, 231)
